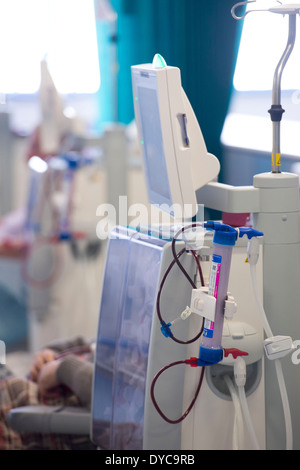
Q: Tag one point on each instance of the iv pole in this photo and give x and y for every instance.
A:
(276, 110)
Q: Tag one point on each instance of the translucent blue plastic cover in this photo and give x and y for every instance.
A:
(126, 313)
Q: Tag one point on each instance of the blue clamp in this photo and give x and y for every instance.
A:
(250, 232)
(166, 330)
(224, 234)
(64, 236)
(227, 235)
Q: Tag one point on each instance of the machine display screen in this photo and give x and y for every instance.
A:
(152, 144)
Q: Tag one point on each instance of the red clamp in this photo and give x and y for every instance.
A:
(235, 353)
(193, 362)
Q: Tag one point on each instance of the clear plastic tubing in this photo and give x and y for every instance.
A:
(37, 170)
(64, 168)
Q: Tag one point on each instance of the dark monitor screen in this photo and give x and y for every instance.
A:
(156, 170)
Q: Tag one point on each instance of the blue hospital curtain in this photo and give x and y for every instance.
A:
(199, 37)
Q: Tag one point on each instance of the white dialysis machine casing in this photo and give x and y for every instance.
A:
(131, 348)
(273, 201)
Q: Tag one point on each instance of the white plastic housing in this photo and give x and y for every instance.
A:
(176, 160)
(244, 337)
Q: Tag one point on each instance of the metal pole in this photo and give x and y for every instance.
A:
(276, 110)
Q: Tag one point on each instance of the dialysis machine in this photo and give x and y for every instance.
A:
(197, 343)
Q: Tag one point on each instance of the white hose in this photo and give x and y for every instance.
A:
(260, 307)
(278, 366)
(285, 404)
(238, 427)
(247, 416)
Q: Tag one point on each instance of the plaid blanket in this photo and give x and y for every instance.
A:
(15, 392)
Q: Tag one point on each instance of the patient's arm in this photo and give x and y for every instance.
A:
(41, 358)
(71, 371)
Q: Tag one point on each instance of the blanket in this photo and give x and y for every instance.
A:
(16, 392)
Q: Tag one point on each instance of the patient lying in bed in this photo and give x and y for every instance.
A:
(61, 374)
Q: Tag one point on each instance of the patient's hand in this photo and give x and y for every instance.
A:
(47, 380)
(42, 358)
